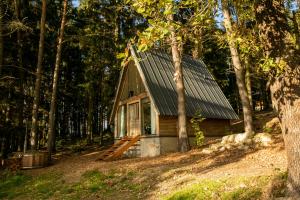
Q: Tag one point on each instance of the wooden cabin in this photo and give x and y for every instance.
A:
(146, 102)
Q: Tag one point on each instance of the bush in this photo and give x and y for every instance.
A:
(196, 125)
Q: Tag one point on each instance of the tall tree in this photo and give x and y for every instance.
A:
(20, 103)
(1, 37)
(282, 62)
(239, 71)
(51, 131)
(176, 47)
(36, 101)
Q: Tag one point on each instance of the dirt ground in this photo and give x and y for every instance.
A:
(174, 171)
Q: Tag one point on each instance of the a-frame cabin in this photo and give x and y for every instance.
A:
(146, 102)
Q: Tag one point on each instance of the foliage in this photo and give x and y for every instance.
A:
(196, 125)
(190, 16)
(93, 184)
(96, 31)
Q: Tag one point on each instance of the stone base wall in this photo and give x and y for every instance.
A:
(151, 146)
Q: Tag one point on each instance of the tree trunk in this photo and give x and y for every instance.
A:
(51, 131)
(183, 142)
(248, 84)
(285, 88)
(285, 93)
(239, 73)
(296, 30)
(1, 38)
(90, 115)
(20, 65)
(36, 100)
(198, 46)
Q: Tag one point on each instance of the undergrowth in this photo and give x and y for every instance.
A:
(93, 184)
(123, 185)
(240, 188)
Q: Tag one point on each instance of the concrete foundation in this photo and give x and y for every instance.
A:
(151, 146)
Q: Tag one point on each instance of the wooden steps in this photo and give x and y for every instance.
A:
(117, 149)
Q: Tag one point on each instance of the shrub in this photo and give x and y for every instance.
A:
(196, 125)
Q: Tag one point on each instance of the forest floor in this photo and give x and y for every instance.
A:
(231, 174)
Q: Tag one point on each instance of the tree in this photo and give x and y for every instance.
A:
(282, 62)
(36, 101)
(176, 47)
(239, 71)
(51, 131)
(92, 39)
(1, 37)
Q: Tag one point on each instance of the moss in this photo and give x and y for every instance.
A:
(239, 188)
(243, 194)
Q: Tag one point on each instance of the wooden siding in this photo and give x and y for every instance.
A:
(132, 83)
(167, 126)
(211, 127)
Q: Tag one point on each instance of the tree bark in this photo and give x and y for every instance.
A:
(197, 52)
(296, 30)
(285, 88)
(20, 65)
(51, 131)
(248, 84)
(36, 100)
(183, 142)
(239, 73)
(90, 114)
(285, 93)
(1, 38)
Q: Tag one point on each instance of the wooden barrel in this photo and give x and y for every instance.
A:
(35, 159)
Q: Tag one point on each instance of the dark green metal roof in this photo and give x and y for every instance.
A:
(202, 92)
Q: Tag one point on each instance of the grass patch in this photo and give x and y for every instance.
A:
(226, 189)
(128, 185)
(93, 184)
(8, 184)
(26, 187)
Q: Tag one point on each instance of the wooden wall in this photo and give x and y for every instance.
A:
(167, 126)
(211, 127)
(132, 82)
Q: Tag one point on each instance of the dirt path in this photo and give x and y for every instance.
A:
(173, 171)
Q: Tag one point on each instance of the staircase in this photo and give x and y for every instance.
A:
(117, 149)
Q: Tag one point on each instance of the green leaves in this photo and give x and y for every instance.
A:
(189, 16)
(121, 55)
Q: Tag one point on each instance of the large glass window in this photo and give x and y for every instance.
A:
(148, 117)
(122, 122)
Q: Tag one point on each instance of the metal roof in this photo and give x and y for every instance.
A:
(201, 90)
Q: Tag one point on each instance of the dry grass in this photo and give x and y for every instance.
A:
(153, 178)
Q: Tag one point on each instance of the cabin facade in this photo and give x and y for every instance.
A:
(146, 102)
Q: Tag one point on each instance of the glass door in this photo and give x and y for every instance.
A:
(133, 119)
(148, 117)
